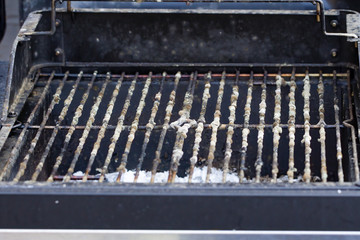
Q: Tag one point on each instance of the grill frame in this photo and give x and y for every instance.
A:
(38, 207)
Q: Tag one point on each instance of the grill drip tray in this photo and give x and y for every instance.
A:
(239, 126)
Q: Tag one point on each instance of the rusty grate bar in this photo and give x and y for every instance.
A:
(200, 126)
(214, 75)
(322, 124)
(277, 130)
(230, 131)
(21, 139)
(215, 126)
(134, 127)
(182, 126)
(118, 129)
(348, 124)
(166, 125)
(101, 134)
(246, 130)
(292, 128)
(339, 154)
(307, 137)
(222, 126)
(260, 140)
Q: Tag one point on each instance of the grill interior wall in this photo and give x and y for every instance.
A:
(134, 155)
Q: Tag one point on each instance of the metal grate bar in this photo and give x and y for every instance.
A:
(182, 125)
(134, 126)
(215, 126)
(102, 130)
(63, 113)
(169, 109)
(292, 128)
(307, 137)
(339, 154)
(222, 126)
(214, 75)
(75, 120)
(55, 100)
(277, 130)
(347, 123)
(230, 131)
(322, 129)
(200, 126)
(85, 134)
(21, 139)
(260, 140)
(149, 127)
(118, 129)
(246, 131)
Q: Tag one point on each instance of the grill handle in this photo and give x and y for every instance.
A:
(320, 12)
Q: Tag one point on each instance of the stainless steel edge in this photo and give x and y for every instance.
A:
(41, 234)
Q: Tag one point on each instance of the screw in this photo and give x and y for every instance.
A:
(334, 23)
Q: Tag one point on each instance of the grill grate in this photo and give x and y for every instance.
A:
(261, 127)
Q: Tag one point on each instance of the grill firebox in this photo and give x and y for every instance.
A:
(244, 100)
(276, 125)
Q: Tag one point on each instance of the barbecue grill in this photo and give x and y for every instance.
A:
(187, 118)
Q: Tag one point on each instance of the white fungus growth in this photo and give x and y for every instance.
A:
(322, 129)
(260, 140)
(215, 126)
(246, 131)
(307, 137)
(277, 130)
(230, 132)
(182, 125)
(134, 126)
(118, 129)
(292, 130)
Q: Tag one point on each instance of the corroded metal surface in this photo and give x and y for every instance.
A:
(246, 131)
(235, 113)
(277, 130)
(292, 129)
(307, 137)
(215, 127)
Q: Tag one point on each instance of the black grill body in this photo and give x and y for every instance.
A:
(237, 45)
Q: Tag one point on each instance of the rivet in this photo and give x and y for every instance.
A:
(57, 22)
(334, 23)
(334, 53)
(58, 51)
